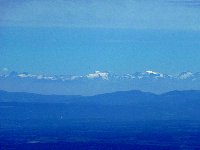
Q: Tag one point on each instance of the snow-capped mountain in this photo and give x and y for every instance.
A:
(98, 82)
(97, 75)
(185, 75)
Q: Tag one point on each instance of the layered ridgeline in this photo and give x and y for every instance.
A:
(127, 105)
(98, 83)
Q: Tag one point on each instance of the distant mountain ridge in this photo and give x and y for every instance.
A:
(99, 83)
(31, 97)
(107, 98)
(125, 105)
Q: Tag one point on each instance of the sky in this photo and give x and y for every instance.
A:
(78, 37)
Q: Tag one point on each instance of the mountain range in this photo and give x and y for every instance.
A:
(98, 82)
(124, 105)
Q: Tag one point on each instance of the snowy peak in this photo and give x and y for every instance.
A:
(157, 74)
(39, 77)
(98, 74)
(185, 75)
(25, 75)
(152, 72)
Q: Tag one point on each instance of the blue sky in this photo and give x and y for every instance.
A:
(77, 37)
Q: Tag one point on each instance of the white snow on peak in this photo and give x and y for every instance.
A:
(128, 76)
(24, 75)
(185, 75)
(98, 74)
(152, 72)
(40, 77)
(75, 77)
(158, 75)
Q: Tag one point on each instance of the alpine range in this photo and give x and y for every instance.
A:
(98, 83)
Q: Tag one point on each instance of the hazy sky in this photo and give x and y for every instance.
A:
(76, 37)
